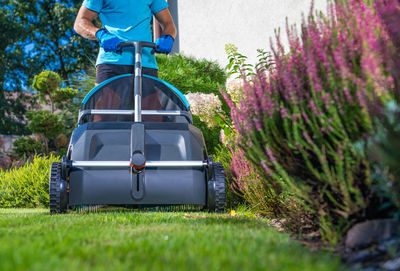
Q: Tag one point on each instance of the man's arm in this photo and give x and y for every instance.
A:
(84, 23)
(166, 22)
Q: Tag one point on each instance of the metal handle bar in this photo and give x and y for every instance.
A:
(138, 73)
(149, 164)
(87, 112)
(139, 44)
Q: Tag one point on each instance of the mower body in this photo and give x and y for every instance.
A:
(114, 185)
(136, 145)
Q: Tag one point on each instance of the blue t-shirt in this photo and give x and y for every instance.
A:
(129, 20)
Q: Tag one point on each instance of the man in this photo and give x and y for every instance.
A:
(125, 20)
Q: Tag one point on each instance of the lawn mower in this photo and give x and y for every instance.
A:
(135, 146)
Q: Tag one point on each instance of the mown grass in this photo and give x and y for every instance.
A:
(31, 239)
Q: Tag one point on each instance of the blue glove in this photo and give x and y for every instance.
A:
(165, 44)
(108, 41)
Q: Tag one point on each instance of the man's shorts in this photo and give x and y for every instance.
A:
(106, 71)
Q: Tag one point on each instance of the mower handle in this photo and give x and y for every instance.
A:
(139, 44)
(138, 72)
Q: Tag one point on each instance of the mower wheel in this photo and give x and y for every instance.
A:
(216, 189)
(58, 195)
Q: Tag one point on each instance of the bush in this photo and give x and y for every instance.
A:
(45, 123)
(297, 121)
(205, 108)
(27, 186)
(383, 149)
(210, 134)
(5, 162)
(27, 147)
(191, 75)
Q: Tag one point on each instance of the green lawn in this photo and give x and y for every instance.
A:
(31, 239)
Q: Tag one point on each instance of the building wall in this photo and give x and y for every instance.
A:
(206, 26)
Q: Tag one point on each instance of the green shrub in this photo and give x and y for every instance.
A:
(189, 74)
(211, 135)
(27, 186)
(26, 147)
(383, 149)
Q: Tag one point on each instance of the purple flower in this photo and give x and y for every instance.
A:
(266, 168)
(284, 113)
(270, 155)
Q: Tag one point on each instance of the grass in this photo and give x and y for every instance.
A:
(31, 239)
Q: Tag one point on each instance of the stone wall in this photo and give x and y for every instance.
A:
(6, 143)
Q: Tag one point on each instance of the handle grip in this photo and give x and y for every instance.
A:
(140, 44)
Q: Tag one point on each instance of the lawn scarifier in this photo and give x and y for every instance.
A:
(121, 155)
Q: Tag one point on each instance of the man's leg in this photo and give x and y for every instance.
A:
(151, 101)
(109, 99)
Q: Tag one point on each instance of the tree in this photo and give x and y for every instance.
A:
(48, 83)
(36, 35)
(14, 65)
(46, 124)
(53, 38)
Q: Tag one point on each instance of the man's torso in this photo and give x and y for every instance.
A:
(128, 20)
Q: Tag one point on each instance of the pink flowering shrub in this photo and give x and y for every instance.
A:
(247, 183)
(298, 121)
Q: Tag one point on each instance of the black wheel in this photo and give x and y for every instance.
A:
(58, 196)
(216, 189)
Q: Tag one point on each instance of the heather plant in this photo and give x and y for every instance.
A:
(234, 198)
(298, 118)
(389, 12)
(247, 183)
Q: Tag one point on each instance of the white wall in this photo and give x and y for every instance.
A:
(205, 26)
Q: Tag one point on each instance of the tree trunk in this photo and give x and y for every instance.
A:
(46, 144)
(52, 109)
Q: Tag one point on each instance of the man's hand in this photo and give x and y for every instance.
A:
(169, 31)
(107, 40)
(165, 44)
